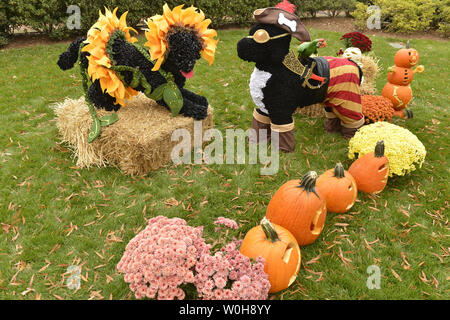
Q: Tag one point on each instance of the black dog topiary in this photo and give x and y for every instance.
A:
(281, 81)
(115, 68)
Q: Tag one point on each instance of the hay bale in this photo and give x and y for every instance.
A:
(368, 89)
(314, 111)
(370, 71)
(370, 68)
(139, 142)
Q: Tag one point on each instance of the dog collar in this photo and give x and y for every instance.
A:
(292, 63)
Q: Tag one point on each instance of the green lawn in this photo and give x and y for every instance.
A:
(54, 214)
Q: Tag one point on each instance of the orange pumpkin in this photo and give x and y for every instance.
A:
(339, 189)
(399, 95)
(298, 207)
(400, 76)
(279, 249)
(406, 58)
(371, 170)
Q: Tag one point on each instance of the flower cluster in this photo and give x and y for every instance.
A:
(107, 26)
(159, 27)
(377, 108)
(168, 255)
(161, 258)
(357, 39)
(402, 148)
(229, 223)
(229, 275)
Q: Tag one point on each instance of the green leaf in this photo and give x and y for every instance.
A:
(173, 98)
(108, 119)
(158, 93)
(136, 80)
(95, 130)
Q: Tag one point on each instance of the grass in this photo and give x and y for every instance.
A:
(54, 214)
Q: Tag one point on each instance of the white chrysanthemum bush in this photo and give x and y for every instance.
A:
(403, 149)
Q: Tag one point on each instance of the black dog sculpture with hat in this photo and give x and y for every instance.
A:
(281, 82)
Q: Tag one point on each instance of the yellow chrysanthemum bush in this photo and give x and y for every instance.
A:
(402, 148)
(159, 27)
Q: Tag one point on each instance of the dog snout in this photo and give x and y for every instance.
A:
(244, 49)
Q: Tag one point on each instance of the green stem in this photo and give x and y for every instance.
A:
(269, 230)
(308, 182)
(379, 149)
(85, 82)
(339, 171)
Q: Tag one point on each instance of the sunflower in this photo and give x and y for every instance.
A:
(159, 26)
(99, 62)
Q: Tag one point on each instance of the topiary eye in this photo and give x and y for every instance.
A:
(261, 36)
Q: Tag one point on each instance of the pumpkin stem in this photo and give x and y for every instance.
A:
(379, 149)
(408, 44)
(308, 182)
(339, 171)
(269, 230)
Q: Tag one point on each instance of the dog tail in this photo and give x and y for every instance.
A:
(68, 58)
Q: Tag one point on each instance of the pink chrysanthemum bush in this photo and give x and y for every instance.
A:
(169, 256)
(160, 258)
(229, 275)
(226, 222)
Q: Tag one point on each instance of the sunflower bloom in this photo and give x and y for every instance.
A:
(189, 18)
(99, 62)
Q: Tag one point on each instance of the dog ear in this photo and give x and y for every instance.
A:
(68, 58)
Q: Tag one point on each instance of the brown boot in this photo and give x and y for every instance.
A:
(332, 125)
(260, 132)
(286, 139)
(348, 133)
(261, 128)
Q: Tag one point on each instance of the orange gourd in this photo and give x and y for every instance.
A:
(300, 208)
(406, 58)
(279, 249)
(371, 170)
(400, 76)
(399, 95)
(339, 189)
(398, 88)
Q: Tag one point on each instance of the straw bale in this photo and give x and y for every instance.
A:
(314, 111)
(139, 142)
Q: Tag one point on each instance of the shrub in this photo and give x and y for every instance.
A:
(407, 15)
(377, 108)
(334, 7)
(403, 149)
(442, 19)
(308, 7)
(8, 20)
(50, 16)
